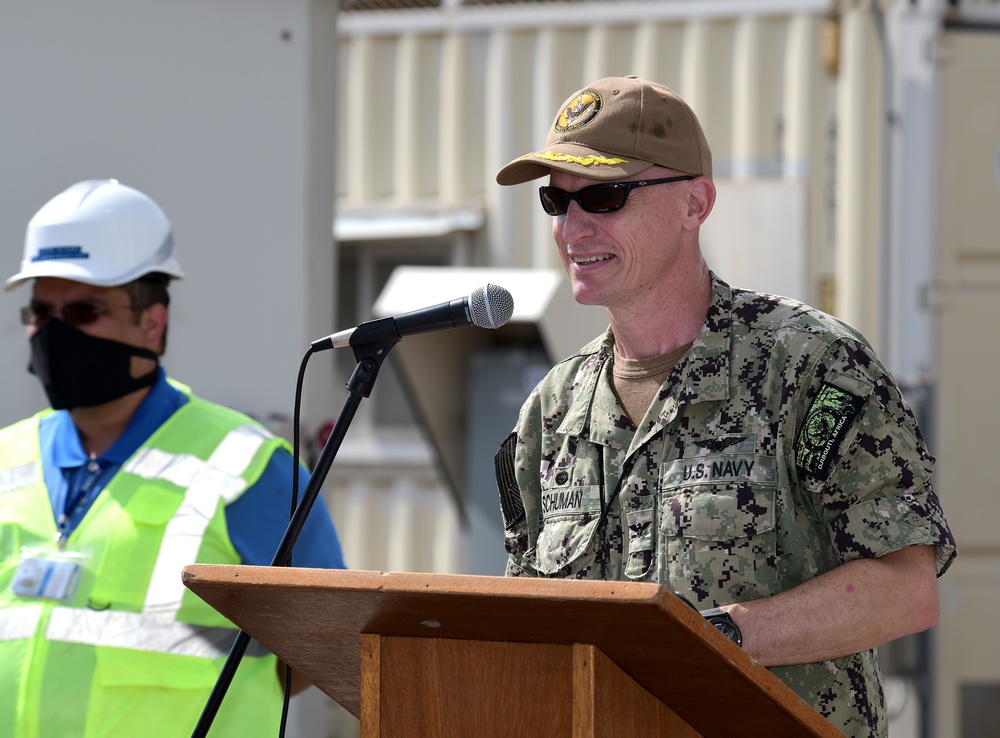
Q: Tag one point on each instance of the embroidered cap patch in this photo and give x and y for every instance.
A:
(580, 111)
(829, 418)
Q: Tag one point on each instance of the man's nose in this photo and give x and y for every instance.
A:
(575, 224)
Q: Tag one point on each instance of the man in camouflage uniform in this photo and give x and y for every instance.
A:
(744, 450)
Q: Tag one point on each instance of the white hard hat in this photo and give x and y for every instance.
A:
(98, 232)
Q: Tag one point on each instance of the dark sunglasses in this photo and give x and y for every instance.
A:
(599, 198)
(82, 312)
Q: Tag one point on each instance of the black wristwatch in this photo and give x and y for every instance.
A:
(726, 625)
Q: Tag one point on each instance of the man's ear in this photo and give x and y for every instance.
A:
(701, 200)
(154, 325)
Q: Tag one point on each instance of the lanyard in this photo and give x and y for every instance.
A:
(79, 497)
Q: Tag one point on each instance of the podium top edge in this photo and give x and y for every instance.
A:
(416, 582)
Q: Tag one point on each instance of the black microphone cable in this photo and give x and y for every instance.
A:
(296, 445)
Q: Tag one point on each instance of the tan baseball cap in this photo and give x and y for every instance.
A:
(615, 128)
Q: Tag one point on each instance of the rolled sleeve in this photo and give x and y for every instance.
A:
(877, 527)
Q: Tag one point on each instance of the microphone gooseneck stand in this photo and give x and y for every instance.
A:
(371, 343)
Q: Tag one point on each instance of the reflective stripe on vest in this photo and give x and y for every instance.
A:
(205, 482)
(20, 476)
(20, 622)
(141, 631)
(133, 630)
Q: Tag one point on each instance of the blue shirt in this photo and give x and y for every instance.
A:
(256, 521)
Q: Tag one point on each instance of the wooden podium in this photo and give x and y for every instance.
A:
(428, 655)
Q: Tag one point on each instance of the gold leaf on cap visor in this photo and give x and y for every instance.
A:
(580, 111)
(584, 161)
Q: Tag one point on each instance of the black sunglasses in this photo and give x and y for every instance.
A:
(599, 198)
(82, 312)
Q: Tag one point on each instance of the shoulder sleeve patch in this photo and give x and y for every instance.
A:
(511, 505)
(827, 422)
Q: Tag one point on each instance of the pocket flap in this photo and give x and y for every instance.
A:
(563, 540)
(153, 505)
(718, 514)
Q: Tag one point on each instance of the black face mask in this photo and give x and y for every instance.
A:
(80, 370)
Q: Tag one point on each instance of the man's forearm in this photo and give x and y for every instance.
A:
(853, 608)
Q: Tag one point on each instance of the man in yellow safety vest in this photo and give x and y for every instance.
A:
(125, 480)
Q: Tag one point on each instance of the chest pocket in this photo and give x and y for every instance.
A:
(718, 527)
(570, 515)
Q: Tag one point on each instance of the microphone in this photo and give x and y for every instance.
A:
(489, 306)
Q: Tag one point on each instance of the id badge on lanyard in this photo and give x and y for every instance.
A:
(47, 575)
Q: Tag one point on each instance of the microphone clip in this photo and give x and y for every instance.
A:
(371, 342)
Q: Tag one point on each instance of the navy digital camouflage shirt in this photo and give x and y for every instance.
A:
(778, 448)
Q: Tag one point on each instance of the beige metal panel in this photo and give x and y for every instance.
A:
(759, 90)
(604, 53)
(416, 118)
(800, 64)
(709, 90)
(460, 136)
(968, 304)
(645, 53)
(969, 404)
(368, 118)
(858, 177)
(972, 590)
(406, 116)
(969, 293)
(807, 146)
(659, 53)
(967, 650)
(694, 79)
(753, 238)
(747, 103)
(810, 145)
(971, 139)
(508, 98)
